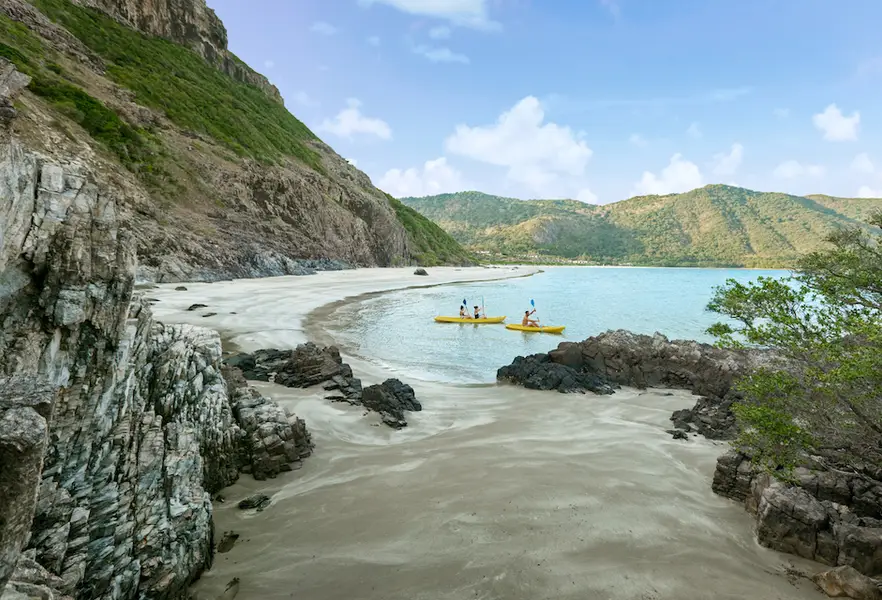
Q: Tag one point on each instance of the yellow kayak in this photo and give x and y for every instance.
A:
(555, 329)
(473, 321)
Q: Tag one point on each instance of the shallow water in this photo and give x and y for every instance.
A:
(492, 492)
(398, 329)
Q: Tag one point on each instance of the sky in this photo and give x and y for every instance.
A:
(595, 100)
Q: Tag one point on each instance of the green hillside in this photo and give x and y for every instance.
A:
(716, 225)
(93, 74)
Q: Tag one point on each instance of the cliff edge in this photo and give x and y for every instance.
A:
(216, 177)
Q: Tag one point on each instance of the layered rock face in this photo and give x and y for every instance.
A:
(134, 415)
(832, 517)
(190, 23)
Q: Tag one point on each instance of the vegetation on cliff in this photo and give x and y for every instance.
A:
(716, 225)
(432, 245)
(826, 322)
(201, 142)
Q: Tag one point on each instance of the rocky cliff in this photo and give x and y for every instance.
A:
(190, 23)
(114, 428)
(217, 179)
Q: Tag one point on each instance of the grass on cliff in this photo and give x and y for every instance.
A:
(25, 50)
(432, 245)
(190, 91)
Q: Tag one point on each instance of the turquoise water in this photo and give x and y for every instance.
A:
(397, 329)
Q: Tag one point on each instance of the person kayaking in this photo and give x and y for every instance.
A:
(463, 313)
(527, 321)
(478, 312)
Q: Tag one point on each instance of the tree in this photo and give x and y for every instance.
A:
(819, 397)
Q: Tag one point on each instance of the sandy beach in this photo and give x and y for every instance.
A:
(491, 492)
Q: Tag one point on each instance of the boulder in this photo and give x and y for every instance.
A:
(391, 399)
(420, 271)
(540, 372)
(845, 582)
(257, 501)
(305, 366)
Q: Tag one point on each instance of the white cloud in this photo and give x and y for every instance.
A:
(352, 162)
(836, 126)
(782, 113)
(867, 192)
(441, 55)
(694, 131)
(638, 140)
(440, 32)
(587, 196)
(863, 164)
(727, 164)
(269, 64)
(435, 177)
(374, 40)
(350, 122)
(466, 13)
(323, 28)
(679, 176)
(535, 153)
(303, 99)
(791, 169)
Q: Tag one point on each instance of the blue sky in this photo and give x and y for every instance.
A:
(598, 100)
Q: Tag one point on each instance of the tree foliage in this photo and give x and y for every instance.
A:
(822, 397)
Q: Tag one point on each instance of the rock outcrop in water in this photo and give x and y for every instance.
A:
(308, 365)
(134, 415)
(615, 358)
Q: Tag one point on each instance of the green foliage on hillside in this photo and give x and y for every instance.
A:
(431, 244)
(824, 399)
(26, 51)
(716, 225)
(191, 92)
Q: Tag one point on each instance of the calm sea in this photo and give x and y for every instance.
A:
(397, 329)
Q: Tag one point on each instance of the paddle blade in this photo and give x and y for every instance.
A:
(464, 303)
(533, 304)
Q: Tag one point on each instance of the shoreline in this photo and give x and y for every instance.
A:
(436, 509)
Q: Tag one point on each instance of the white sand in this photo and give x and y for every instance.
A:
(492, 492)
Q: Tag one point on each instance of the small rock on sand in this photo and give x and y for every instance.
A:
(420, 271)
(195, 306)
(846, 582)
(227, 541)
(258, 501)
(180, 288)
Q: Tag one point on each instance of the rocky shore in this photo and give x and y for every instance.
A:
(115, 429)
(309, 365)
(826, 515)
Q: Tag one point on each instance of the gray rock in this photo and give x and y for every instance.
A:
(142, 431)
(845, 582)
(828, 516)
(420, 271)
(258, 501)
(540, 372)
(391, 399)
(25, 408)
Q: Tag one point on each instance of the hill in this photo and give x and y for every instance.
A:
(215, 177)
(716, 225)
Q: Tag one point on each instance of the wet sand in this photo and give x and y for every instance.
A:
(492, 492)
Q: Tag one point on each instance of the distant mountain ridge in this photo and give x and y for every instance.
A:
(717, 225)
